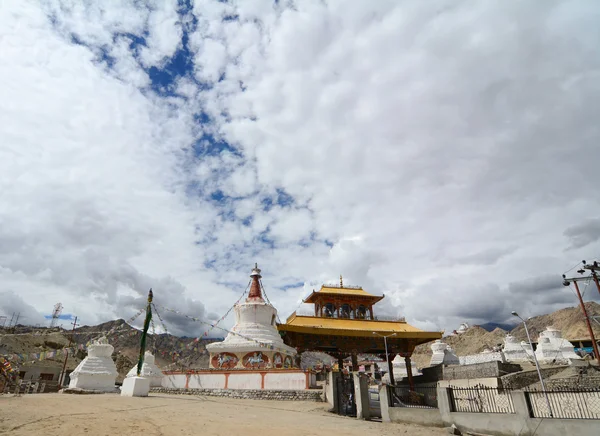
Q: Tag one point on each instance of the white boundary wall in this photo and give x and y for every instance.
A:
(250, 379)
(242, 380)
(206, 381)
(279, 381)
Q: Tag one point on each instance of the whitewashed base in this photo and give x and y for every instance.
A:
(135, 387)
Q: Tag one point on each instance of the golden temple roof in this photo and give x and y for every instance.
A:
(354, 291)
(354, 327)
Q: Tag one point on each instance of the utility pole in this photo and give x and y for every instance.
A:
(387, 356)
(63, 374)
(594, 268)
(537, 364)
(567, 282)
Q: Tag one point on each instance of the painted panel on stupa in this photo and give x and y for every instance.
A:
(224, 360)
(255, 360)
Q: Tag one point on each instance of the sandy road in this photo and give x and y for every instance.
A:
(164, 415)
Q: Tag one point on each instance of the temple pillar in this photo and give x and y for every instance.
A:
(411, 382)
(390, 357)
(354, 362)
(340, 362)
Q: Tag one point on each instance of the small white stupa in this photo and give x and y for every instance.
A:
(399, 368)
(552, 348)
(463, 328)
(442, 354)
(97, 372)
(515, 351)
(254, 341)
(149, 370)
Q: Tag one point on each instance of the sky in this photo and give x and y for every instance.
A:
(444, 154)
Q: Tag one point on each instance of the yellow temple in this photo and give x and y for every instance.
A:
(344, 324)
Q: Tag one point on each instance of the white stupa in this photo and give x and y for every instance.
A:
(399, 368)
(97, 371)
(149, 370)
(442, 354)
(463, 328)
(254, 341)
(552, 348)
(515, 351)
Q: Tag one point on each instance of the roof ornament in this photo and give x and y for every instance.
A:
(255, 294)
(341, 281)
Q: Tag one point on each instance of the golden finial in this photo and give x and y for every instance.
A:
(341, 281)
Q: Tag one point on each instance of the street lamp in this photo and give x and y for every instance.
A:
(387, 356)
(537, 365)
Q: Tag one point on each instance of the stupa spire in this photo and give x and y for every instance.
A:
(255, 292)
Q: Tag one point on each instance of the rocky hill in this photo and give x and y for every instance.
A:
(171, 352)
(570, 321)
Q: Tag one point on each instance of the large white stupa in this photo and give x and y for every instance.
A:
(97, 371)
(553, 348)
(149, 370)
(254, 341)
(515, 351)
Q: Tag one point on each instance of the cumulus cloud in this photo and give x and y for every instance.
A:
(583, 234)
(18, 311)
(432, 152)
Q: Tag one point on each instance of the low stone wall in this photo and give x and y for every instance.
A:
(482, 358)
(527, 378)
(78, 391)
(480, 370)
(254, 394)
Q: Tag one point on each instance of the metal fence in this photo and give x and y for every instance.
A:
(30, 387)
(480, 399)
(421, 397)
(579, 403)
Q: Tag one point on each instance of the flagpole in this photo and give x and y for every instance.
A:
(145, 333)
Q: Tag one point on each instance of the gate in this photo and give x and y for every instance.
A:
(345, 395)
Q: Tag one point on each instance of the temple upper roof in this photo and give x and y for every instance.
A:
(336, 291)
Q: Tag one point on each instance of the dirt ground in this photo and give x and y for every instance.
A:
(164, 415)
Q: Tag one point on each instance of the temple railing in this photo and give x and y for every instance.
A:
(311, 312)
(390, 318)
